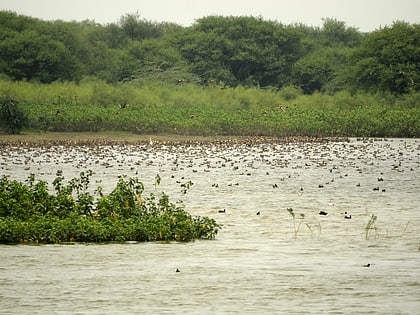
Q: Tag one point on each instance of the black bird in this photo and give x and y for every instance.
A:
(222, 211)
(323, 213)
(258, 213)
(367, 265)
(177, 270)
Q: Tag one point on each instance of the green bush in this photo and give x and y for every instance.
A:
(30, 214)
(12, 117)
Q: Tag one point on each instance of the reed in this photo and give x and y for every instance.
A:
(371, 226)
(296, 227)
(189, 109)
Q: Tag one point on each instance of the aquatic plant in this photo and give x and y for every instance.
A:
(29, 213)
(317, 225)
(296, 227)
(309, 225)
(371, 226)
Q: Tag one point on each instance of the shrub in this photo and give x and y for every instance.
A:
(29, 214)
(12, 118)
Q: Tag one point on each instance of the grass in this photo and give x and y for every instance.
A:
(193, 110)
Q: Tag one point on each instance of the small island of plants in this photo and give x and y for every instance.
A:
(30, 214)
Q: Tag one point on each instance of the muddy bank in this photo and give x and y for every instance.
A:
(72, 139)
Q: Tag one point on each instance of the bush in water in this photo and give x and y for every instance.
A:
(30, 214)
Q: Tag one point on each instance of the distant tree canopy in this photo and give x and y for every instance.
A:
(245, 50)
(388, 59)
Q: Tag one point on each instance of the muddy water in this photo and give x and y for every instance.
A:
(263, 263)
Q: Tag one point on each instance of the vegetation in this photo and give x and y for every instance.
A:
(246, 51)
(296, 227)
(11, 115)
(220, 76)
(210, 111)
(30, 214)
(371, 226)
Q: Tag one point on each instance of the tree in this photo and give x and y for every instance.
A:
(335, 33)
(31, 56)
(312, 72)
(137, 28)
(321, 70)
(388, 60)
(12, 118)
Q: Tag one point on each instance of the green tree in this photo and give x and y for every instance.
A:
(111, 65)
(137, 28)
(28, 55)
(240, 50)
(312, 72)
(154, 51)
(388, 60)
(12, 21)
(335, 33)
(159, 61)
(321, 70)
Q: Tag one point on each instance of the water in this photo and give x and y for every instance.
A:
(257, 263)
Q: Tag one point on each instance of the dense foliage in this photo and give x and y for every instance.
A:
(228, 50)
(29, 213)
(220, 76)
(189, 109)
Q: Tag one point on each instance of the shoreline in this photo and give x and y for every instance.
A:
(92, 138)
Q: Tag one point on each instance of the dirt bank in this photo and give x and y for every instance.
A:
(87, 138)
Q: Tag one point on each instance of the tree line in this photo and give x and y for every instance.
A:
(216, 50)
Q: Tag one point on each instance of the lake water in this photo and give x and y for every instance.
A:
(258, 264)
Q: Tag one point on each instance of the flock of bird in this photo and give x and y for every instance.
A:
(286, 169)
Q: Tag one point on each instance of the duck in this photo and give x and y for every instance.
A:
(347, 216)
(222, 211)
(323, 213)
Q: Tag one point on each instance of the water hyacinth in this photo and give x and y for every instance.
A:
(29, 213)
